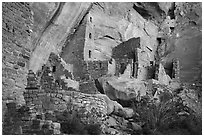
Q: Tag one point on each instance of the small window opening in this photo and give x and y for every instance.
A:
(159, 40)
(90, 35)
(110, 61)
(151, 63)
(90, 19)
(89, 53)
(100, 65)
(54, 69)
(122, 68)
(172, 28)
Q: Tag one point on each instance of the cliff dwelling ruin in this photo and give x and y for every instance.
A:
(101, 68)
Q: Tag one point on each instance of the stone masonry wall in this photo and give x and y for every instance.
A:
(143, 64)
(176, 69)
(126, 49)
(73, 53)
(46, 102)
(16, 48)
(97, 69)
(46, 98)
(121, 65)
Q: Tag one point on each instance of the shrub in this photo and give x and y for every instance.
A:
(159, 117)
(71, 124)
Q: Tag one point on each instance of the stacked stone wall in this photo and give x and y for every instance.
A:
(176, 69)
(17, 21)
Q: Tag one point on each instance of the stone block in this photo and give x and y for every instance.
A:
(162, 77)
(56, 128)
(128, 112)
(59, 96)
(66, 98)
(36, 124)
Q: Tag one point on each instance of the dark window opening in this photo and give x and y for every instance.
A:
(122, 68)
(159, 40)
(89, 53)
(90, 19)
(54, 69)
(134, 73)
(171, 11)
(90, 35)
(110, 61)
(172, 28)
(169, 69)
(100, 65)
(151, 63)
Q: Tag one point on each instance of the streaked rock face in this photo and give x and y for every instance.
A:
(54, 34)
(185, 42)
(188, 49)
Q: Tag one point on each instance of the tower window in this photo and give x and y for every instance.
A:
(90, 35)
(54, 69)
(110, 61)
(89, 53)
(159, 40)
(100, 65)
(172, 28)
(151, 63)
(90, 19)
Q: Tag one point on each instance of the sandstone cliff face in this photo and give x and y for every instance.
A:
(70, 15)
(185, 36)
(108, 32)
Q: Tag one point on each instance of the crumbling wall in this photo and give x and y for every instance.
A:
(121, 66)
(176, 69)
(126, 49)
(16, 49)
(143, 64)
(47, 103)
(97, 69)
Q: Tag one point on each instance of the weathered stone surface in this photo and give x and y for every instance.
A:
(110, 121)
(128, 112)
(48, 42)
(17, 23)
(162, 77)
(165, 6)
(174, 84)
(186, 33)
(112, 106)
(190, 99)
(136, 127)
(111, 131)
(70, 83)
(124, 89)
(110, 31)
